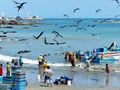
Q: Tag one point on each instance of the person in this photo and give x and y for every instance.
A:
(65, 79)
(20, 61)
(45, 65)
(60, 81)
(72, 61)
(40, 60)
(107, 69)
(1, 70)
(8, 70)
(15, 62)
(88, 62)
(48, 74)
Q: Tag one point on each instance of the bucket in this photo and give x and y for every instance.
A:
(38, 77)
(69, 82)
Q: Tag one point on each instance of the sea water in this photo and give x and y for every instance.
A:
(86, 35)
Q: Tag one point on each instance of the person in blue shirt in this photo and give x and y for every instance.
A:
(20, 61)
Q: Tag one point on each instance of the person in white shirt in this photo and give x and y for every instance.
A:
(48, 74)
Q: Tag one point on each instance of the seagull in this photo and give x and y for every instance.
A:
(76, 10)
(98, 10)
(37, 37)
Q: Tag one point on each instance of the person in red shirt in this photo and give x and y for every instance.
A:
(1, 70)
(107, 69)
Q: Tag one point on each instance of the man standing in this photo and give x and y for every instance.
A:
(20, 61)
(48, 74)
(40, 60)
(8, 70)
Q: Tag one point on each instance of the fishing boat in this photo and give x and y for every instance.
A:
(104, 55)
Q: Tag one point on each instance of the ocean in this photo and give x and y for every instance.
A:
(77, 33)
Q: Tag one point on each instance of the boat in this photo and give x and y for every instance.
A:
(103, 55)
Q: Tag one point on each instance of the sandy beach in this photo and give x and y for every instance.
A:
(66, 87)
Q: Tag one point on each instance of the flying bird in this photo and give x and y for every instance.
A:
(23, 51)
(20, 5)
(5, 32)
(65, 15)
(58, 43)
(15, 2)
(57, 34)
(117, 16)
(98, 10)
(117, 1)
(45, 41)
(37, 37)
(76, 9)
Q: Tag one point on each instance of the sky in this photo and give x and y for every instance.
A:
(59, 8)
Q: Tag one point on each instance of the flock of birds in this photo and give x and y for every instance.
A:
(57, 34)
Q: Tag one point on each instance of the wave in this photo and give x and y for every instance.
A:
(9, 59)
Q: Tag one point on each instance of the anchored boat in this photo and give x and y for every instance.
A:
(103, 55)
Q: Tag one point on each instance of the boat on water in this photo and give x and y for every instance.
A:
(98, 55)
(103, 55)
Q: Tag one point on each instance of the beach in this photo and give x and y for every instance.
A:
(65, 87)
(75, 40)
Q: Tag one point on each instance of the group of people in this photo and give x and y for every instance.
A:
(7, 70)
(17, 62)
(73, 57)
(63, 80)
(45, 70)
(8, 66)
